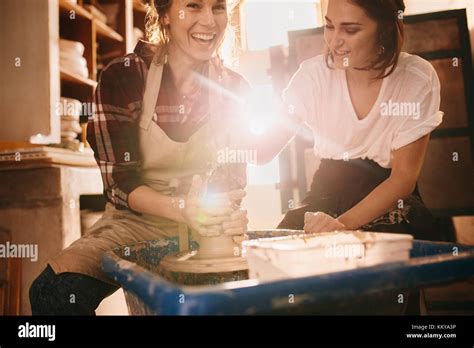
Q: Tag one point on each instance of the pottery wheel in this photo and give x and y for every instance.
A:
(217, 254)
(186, 262)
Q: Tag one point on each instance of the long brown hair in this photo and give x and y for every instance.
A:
(155, 30)
(389, 17)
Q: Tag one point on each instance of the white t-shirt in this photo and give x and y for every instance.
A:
(406, 109)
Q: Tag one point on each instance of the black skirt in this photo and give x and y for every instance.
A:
(339, 185)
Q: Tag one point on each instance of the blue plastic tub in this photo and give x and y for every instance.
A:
(373, 290)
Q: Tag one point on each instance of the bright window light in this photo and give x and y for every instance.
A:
(261, 108)
(267, 174)
(261, 115)
(267, 22)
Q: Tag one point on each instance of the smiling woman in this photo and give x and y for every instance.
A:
(167, 17)
(161, 112)
(354, 98)
(351, 98)
(380, 29)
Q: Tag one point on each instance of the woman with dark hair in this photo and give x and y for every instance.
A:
(371, 109)
(162, 112)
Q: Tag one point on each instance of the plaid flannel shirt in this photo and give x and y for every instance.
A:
(112, 132)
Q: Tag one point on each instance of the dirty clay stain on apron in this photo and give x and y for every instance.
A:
(163, 161)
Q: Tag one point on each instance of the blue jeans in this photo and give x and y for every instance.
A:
(67, 293)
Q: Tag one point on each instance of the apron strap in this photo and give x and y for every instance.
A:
(152, 89)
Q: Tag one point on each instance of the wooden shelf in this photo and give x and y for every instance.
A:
(9, 145)
(106, 32)
(139, 14)
(139, 6)
(65, 7)
(97, 38)
(46, 155)
(103, 30)
(76, 79)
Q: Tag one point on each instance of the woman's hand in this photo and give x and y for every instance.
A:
(236, 226)
(199, 214)
(321, 222)
(212, 215)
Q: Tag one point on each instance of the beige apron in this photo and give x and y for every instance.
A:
(167, 167)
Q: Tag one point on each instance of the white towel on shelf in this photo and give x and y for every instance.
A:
(74, 68)
(71, 59)
(72, 46)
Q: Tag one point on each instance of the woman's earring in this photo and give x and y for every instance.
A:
(382, 50)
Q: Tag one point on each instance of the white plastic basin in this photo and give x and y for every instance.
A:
(313, 254)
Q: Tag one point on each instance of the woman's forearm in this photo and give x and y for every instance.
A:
(383, 199)
(406, 167)
(146, 200)
(269, 144)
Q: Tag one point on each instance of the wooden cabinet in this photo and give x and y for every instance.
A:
(29, 60)
(39, 207)
(102, 42)
(29, 56)
(40, 197)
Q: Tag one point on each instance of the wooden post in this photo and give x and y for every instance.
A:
(29, 58)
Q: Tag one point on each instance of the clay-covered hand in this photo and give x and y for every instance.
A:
(228, 199)
(202, 215)
(236, 224)
(321, 222)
